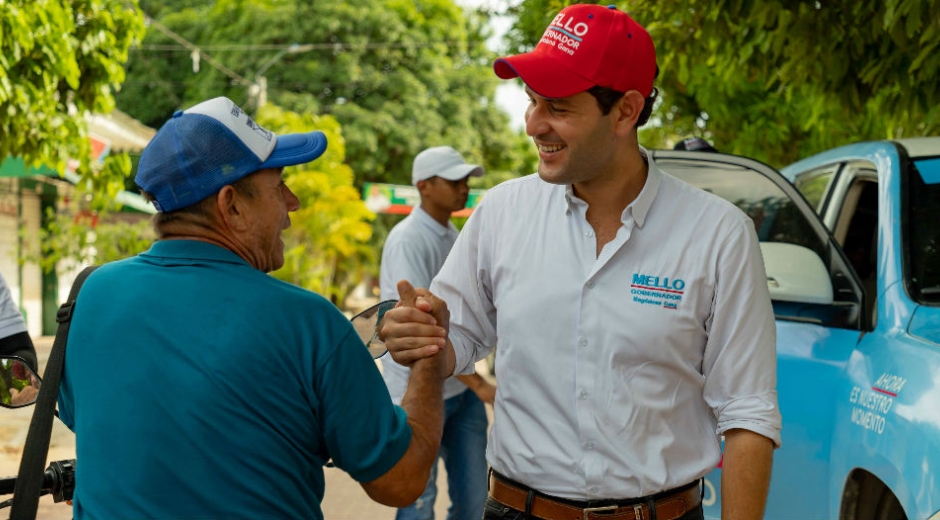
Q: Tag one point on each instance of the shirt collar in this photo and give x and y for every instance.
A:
(427, 220)
(641, 205)
(571, 199)
(187, 250)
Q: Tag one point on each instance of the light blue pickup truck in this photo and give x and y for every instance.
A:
(851, 243)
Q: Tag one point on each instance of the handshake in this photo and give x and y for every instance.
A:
(417, 328)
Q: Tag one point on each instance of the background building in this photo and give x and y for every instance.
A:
(26, 195)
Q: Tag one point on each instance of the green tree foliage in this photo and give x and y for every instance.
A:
(398, 75)
(88, 229)
(326, 247)
(59, 61)
(782, 80)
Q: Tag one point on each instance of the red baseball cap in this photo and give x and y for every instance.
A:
(586, 45)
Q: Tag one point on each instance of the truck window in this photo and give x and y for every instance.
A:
(857, 232)
(922, 229)
(814, 185)
(775, 217)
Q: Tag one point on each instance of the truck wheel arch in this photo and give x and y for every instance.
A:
(866, 497)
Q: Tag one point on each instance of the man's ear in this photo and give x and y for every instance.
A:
(422, 185)
(231, 208)
(628, 110)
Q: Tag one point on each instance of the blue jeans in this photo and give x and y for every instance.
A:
(463, 448)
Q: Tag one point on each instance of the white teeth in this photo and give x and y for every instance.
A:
(550, 148)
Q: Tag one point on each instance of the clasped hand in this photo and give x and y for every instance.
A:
(22, 397)
(417, 327)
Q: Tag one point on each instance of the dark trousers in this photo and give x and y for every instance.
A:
(496, 511)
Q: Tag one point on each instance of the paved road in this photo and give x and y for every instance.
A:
(344, 499)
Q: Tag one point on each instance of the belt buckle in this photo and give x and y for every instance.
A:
(588, 510)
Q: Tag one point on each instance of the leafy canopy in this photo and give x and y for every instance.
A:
(326, 245)
(59, 61)
(782, 80)
(398, 75)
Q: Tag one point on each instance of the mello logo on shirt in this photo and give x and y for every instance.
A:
(660, 291)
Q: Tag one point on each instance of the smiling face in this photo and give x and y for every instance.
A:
(268, 203)
(576, 141)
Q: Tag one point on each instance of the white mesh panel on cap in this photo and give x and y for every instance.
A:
(260, 141)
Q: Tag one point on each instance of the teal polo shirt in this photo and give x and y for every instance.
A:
(200, 387)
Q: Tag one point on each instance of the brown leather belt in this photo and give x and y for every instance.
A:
(668, 507)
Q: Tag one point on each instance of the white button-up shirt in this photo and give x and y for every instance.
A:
(616, 372)
(414, 250)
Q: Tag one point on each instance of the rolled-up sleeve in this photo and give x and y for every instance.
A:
(740, 363)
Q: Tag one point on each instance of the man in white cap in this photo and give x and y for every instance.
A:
(631, 310)
(200, 387)
(414, 251)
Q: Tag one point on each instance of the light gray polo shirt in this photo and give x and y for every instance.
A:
(415, 250)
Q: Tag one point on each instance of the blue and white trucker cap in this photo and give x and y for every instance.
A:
(211, 145)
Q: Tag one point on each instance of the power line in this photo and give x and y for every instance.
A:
(197, 52)
(166, 86)
(258, 87)
(305, 46)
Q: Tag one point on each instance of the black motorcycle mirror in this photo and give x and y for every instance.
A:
(366, 324)
(19, 385)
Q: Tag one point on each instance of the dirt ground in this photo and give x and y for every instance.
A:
(13, 428)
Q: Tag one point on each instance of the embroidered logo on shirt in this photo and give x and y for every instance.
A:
(659, 291)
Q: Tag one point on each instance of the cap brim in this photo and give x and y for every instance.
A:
(294, 149)
(460, 171)
(545, 76)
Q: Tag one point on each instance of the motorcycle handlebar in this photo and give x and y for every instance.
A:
(6, 485)
(58, 479)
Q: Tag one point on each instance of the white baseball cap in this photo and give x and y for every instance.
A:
(443, 162)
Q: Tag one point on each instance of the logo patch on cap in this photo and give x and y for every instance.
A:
(585, 46)
(565, 34)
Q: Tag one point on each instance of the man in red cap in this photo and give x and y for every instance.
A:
(631, 310)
